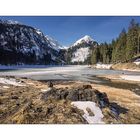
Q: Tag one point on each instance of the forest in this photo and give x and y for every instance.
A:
(121, 49)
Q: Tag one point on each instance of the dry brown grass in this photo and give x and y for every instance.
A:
(129, 66)
(124, 98)
(24, 105)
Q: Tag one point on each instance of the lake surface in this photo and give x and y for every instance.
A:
(81, 73)
(71, 73)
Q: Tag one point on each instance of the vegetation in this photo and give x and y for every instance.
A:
(122, 49)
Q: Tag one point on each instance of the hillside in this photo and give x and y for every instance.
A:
(80, 51)
(23, 44)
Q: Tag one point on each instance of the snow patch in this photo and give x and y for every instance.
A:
(137, 61)
(103, 66)
(10, 81)
(80, 55)
(46, 90)
(5, 87)
(38, 31)
(83, 105)
(131, 77)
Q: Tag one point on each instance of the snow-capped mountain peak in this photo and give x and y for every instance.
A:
(9, 22)
(81, 50)
(86, 39)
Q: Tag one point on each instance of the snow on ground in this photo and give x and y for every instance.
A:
(10, 81)
(131, 77)
(80, 55)
(5, 87)
(137, 61)
(103, 66)
(46, 90)
(83, 105)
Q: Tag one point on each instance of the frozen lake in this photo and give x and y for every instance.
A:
(74, 72)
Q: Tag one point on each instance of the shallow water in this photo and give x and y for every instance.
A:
(82, 73)
(135, 87)
(72, 73)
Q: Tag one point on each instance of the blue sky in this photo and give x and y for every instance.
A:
(67, 29)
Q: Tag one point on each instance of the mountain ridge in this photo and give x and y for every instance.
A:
(23, 44)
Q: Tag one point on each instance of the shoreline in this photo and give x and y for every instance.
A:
(33, 90)
(119, 66)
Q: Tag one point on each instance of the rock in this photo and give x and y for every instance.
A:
(50, 84)
(49, 93)
(1, 94)
(102, 100)
(0, 102)
(89, 111)
(87, 87)
(77, 94)
(72, 95)
(22, 81)
(14, 97)
(18, 104)
(24, 78)
(62, 94)
(50, 108)
(39, 109)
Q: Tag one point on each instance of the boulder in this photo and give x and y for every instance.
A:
(87, 87)
(14, 97)
(50, 84)
(89, 111)
(77, 94)
(102, 100)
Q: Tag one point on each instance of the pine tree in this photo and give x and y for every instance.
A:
(94, 56)
(119, 48)
(132, 40)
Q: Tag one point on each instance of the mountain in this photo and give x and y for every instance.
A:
(23, 44)
(80, 51)
(54, 43)
(86, 39)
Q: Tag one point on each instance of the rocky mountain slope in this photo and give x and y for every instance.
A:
(80, 51)
(54, 43)
(22, 44)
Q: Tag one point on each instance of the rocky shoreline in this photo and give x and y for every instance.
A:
(35, 102)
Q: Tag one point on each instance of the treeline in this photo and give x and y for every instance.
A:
(122, 49)
(13, 57)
